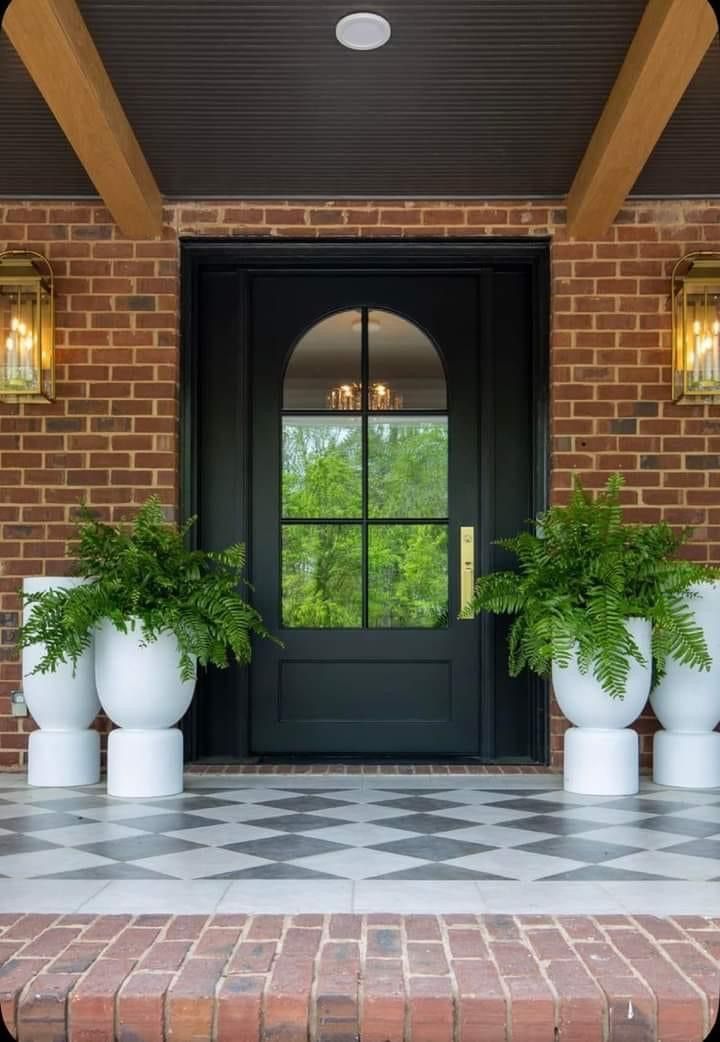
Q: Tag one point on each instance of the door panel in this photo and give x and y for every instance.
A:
(360, 486)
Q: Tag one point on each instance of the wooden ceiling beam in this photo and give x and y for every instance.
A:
(54, 44)
(667, 49)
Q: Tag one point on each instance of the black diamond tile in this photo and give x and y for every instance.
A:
(168, 822)
(41, 822)
(117, 871)
(73, 803)
(426, 823)
(438, 871)
(190, 802)
(578, 849)
(303, 804)
(296, 822)
(600, 873)
(432, 848)
(648, 806)
(287, 847)
(420, 804)
(276, 870)
(132, 848)
(697, 848)
(529, 806)
(20, 844)
(680, 826)
(415, 791)
(549, 823)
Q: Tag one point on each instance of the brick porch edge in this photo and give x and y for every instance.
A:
(340, 978)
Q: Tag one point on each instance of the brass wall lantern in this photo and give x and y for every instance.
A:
(696, 328)
(27, 327)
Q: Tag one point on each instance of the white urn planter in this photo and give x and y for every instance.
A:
(687, 704)
(141, 691)
(63, 752)
(601, 751)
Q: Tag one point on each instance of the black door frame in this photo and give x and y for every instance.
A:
(239, 259)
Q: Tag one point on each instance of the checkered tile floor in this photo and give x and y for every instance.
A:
(220, 830)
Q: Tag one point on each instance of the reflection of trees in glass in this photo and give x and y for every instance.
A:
(408, 468)
(321, 576)
(322, 564)
(322, 469)
(408, 575)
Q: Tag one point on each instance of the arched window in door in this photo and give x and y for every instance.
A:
(364, 476)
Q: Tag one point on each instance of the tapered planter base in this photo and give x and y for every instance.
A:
(687, 761)
(601, 762)
(63, 758)
(145, 763)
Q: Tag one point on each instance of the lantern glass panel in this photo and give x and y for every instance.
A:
(20, 338)
(701, 333)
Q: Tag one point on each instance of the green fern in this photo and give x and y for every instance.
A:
(581, 574)
(145, 570)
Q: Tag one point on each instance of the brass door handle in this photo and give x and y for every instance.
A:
(467, 564)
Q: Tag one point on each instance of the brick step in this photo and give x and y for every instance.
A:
(373, 978)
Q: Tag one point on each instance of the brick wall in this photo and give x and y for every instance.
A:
(112, 433)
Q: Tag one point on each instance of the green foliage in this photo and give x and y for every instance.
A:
(145, 571)
(582, 574)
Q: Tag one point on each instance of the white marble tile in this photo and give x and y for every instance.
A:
(481, 813)
(159, 896)
(92, 832)
(239, 812)
(496, 835)
(706, 813)
(410, 897)
(539, 898)
(517, 864)
(649, 897)
(287, 896)
(360, 812)
(47, 895)
(665, 863)
(604, 815)
(255, 794)
(117, 811)
(474, 797)
(199, 864)
(49, 862)
(354, 864)
(361, 834)
(222, 835)
(632, 836)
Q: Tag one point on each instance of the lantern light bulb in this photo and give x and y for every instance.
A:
(697, 328)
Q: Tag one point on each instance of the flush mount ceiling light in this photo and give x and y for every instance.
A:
(363, 31)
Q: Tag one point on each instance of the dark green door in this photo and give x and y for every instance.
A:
(365, 449)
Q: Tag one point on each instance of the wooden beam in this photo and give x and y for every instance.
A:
(55, 46)
(667, 49)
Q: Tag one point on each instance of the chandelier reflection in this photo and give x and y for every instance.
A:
(349, 397)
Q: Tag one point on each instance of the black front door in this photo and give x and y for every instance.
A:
(364, 427)
(365, 447)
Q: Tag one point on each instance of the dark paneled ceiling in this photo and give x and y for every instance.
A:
(256, 98)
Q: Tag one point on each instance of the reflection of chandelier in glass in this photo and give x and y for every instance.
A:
(348, 397)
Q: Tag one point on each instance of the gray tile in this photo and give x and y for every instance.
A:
(595, 873)
(428, 823)
(432, 848)
(698, 848)
(555, 824)
(286, 896)
(579, 849)
(295, 823)
(534, 806)
(138, 847)
(74, 803)
(189, 801)
(41, 822)
(680, 826)
(167, 822)
(644, 804)
(302, 804)
(438, 870)
(421, 804)
(21, 844)
(275, 870)
(286, 847)
(119, 870)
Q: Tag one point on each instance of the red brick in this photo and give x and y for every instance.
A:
(91, 1009)
(190, 1001)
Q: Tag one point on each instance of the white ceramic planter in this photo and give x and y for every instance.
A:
(687, 704)
(141, 691)
(601, 752)
(63, 752)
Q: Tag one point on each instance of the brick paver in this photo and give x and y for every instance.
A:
(351, 978)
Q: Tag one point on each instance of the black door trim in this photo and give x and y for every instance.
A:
(239, 258)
